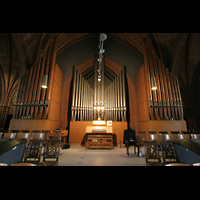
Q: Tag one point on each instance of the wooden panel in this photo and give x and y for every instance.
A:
(35, 124)
(140, 77)
(77, 131)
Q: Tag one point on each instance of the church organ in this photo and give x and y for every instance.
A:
(165, 103)
(32, 101)
(97, 102)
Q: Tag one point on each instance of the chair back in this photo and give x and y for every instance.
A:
(195, 136)
(183, 136)
(37, 136)
(151, 153)
(141, 135)
(24, 136)
(168, 152)
(9, 135)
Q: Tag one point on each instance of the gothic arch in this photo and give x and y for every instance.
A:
(116, 69)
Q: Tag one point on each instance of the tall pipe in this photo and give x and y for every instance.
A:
(155, 100)
(116, 99)
(180, 99)
(24, 90)
(35, 88)
(51, 75)
(160, 108)
(81, 109)
(166, 91)
(174, 96)
(170, 93)
(73, 93)
(177, 98)
(17, 99)
(147, 76)
(162, 90)
(19, 96)
(124, 92)
(46, 72)
(39, 88)
(95, 85)
(76, 94)
(79, 98)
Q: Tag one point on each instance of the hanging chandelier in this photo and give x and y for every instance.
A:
(103, 37)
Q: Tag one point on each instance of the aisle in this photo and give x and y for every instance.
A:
(80, 156)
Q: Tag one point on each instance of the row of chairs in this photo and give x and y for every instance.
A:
(36, 141)
(159, 148)
(165, 135)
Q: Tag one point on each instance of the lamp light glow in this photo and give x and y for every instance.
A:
(44, 81)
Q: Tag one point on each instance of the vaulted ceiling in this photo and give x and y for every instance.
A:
(179, 52)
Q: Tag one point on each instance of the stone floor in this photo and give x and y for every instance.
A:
(77, 155)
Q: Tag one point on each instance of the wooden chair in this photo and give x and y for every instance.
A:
(195, 136)
(24, 136)
(52, 151)
(34, 150)
(13, 131)
(140, 137)
(183, 136)
(151, 153)
(168, 152)
(165, 135)
(174, 135)
(10, 135)
(186, 134)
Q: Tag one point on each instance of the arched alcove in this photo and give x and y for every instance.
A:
(66, 91)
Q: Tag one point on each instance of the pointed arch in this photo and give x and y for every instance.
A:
(116, 69)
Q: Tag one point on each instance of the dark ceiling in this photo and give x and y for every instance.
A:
(179, 52)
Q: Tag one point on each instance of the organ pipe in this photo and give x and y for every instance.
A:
(170, 94)
(180, 100)
(50, 77)
(167, 98)
(147, 76)
(35, 87)
(46, 72)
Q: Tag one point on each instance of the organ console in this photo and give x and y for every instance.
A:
(99, 135)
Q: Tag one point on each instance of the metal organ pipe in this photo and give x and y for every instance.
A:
(73, 93)
(160, 105)
(51, 75)
(124, 95)
(180, 100)
(35, 88)
(177, 97)
(170, 94)
(46, 72)
(39, 85)
(147, 76)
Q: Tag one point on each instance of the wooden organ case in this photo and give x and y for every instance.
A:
(99, 135)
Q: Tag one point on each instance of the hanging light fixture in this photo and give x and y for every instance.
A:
(103, 37)
(44, 81)
(153, 83)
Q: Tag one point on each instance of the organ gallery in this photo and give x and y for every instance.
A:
(93, 86)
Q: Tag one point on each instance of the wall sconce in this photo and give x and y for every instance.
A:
(153, 83)
(44, 81)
